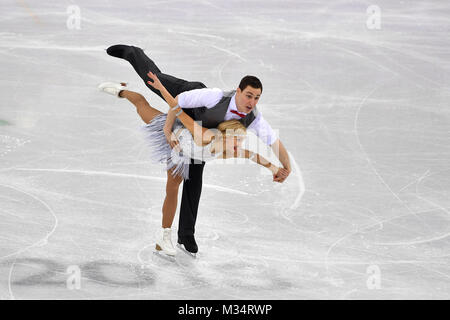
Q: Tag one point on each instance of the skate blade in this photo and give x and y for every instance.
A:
(164, 256)
(160, 253)
(190, 254)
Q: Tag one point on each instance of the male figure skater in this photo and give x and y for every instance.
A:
(211, 106)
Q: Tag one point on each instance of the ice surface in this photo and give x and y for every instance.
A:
(363, 112)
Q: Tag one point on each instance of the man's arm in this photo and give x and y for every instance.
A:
(264, 131)
(282, 155)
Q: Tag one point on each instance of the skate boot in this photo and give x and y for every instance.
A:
(188, 245)
(112, 88)
(120, 51)
(164, 243)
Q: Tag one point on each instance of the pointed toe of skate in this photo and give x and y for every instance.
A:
(112, 88)
(118, 50)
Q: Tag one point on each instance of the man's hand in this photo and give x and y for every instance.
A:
(281, 175)
(172, 139)
(283, 156)
(155, 83)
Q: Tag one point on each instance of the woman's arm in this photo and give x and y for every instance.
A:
(171, 139)
(170, 119)
(202, 136)
(171, 101)
(243, 153)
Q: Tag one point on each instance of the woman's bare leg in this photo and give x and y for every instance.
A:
(171, 200)
(143, 108)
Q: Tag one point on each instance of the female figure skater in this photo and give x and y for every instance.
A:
(195, 142)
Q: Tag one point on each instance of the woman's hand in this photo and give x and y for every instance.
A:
(274, 169)
(281, 175)
(155, 83)
(171, 139)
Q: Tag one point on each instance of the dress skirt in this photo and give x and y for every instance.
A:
(160, 150)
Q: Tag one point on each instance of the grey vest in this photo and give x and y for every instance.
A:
(211, 117)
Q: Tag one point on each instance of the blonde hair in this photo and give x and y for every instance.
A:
(235, 126)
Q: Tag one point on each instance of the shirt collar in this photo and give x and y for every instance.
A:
(233, 105)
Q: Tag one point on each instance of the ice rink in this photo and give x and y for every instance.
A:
(359, 97)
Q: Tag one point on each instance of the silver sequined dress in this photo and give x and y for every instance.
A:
(161, 152)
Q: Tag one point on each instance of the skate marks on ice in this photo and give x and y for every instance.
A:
(242, 275)
(8, 143)
(287, 207)
(148, 254)
(179, 273)
(434, 207)
(424, 220)
(16, 203)
(217, 266)
(377, 242)
(20, 207)
(126, 175)
(32, 273)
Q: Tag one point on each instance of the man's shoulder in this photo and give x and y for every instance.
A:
(206, 97)
(205, 91)
(227, 94)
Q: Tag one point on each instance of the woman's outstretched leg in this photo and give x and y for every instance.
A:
(143, 108)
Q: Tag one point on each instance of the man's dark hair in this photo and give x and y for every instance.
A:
(251, 81)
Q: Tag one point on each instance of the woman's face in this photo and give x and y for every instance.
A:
(232, 143)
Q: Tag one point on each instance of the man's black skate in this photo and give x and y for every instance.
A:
(119, 51)
(188, 244)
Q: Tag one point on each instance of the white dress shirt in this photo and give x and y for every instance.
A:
(210, 97)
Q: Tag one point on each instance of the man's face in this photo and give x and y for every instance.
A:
(247, 99)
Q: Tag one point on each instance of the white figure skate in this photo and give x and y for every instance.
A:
(112, 88)
(164, 243)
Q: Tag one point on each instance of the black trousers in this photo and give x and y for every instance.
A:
(192, 188)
